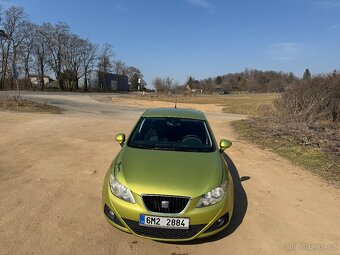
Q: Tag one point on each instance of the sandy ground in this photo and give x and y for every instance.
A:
(52, 168)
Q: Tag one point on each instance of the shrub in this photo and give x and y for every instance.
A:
(312, 100)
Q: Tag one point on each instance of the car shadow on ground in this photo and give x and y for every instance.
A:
(240, 205)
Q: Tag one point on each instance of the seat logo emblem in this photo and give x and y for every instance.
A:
(165, 204)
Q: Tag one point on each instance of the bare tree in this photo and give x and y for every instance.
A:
(119, 67)
(79, 57)
(27, 48)
(56, 37)
(2, 48)
(15, 18)
(104, 64)
(40, 52)
(104, 58)
(73, 58)
(164, 84)
(88, 56)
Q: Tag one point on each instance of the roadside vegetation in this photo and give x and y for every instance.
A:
(244, 103)
(17, 104)
(303, 125)
(250, 80)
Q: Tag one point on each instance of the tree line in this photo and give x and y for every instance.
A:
(28, 49)
(250, 80)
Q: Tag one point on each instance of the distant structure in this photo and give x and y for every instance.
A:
(35, 79)
(108, 82)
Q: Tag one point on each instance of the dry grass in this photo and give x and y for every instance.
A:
(15, 103)
(231, 103)
(314, 158)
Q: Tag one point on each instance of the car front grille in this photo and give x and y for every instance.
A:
(164, 233)
(165, 204)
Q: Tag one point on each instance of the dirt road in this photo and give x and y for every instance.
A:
(52, 168)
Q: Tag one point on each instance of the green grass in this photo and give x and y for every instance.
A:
(232, 103)
(308, 157)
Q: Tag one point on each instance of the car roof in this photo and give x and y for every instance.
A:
(174, 113)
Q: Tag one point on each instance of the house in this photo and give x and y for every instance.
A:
(35, 79)
(194, 90)
(106, 81)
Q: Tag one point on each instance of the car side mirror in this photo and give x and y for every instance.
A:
(224, 144)
(120, 138)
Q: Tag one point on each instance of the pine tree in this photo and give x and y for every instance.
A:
(218, 80)
(307, 75)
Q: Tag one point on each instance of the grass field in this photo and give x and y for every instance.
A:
(311, 158)
(231, 103)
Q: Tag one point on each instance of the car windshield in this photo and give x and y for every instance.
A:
(173, 134)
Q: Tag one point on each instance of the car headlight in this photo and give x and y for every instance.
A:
(213, 197)
(119, 190)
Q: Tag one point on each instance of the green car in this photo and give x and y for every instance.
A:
(169, 182)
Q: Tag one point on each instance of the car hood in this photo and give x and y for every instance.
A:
(178, 173)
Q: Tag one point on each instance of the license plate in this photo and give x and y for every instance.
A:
(163, 222)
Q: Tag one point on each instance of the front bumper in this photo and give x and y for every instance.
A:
(204, 221)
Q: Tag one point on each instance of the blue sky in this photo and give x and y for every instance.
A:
(203, 38)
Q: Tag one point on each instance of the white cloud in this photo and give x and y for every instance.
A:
(332, 27)
(201, 3)
(205, 4)
(285, 51)
(121, 8)
(328, 3)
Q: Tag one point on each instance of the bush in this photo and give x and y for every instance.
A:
(302, 125)
(308, 114)
(312, 100)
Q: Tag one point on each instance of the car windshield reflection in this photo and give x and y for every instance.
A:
(173, 134)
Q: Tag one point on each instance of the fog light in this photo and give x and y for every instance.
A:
(220, 222)
(110, 214)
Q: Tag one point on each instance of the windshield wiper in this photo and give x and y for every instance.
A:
(173, 148)
(142, 146)
(164, 147)
(181, 148)
(151, 147)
